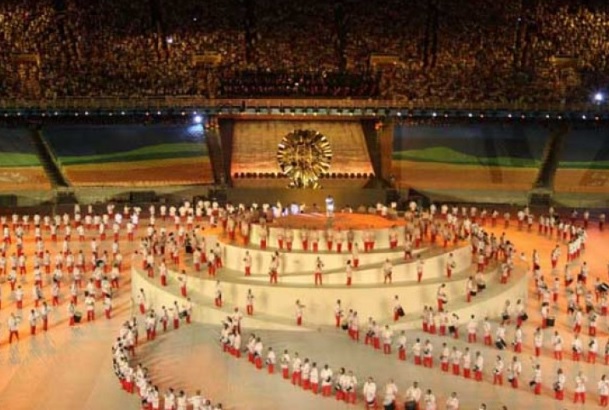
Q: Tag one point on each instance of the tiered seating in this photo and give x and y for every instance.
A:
(254, 152)
(482, 156)
(132, 155)
(584, 165)
(20, 166)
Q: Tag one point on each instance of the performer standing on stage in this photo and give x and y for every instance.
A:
(329, 206)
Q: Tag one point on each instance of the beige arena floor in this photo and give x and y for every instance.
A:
(71, 368)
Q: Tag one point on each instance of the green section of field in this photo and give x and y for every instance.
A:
(584, 164)
(14, 159)
(163, 151)
(449, 156)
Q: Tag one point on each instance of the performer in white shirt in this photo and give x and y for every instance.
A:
(326, 381)
(420, 265)
(249, 303)
(498, 371)
(452, 403)
(536, 382)
(338, 314)
(247, 262)
(13, 328)
(429, 400)
(514, 370)
(270, 361)
(285, 365)
(441, 297)
(369, 393)
(580, 388)
(349, 272)
(318, 271)
(413, 396)
(391, 392)
(329, 206)
(299, 311)
(451, 265)
(603, 391)
(387, 336)
(387, 271)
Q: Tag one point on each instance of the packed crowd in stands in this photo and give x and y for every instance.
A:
(464, 51)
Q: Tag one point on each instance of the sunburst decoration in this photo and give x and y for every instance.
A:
(303, 156)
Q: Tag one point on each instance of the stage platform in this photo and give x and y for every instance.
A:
(340, 220)
(354, 197)
(377, 225)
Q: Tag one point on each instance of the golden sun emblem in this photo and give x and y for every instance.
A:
(303, 156)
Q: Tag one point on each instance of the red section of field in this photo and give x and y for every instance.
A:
(182, 171)
(23, 179)
(430, 175)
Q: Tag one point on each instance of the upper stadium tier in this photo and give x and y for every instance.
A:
(420, 52)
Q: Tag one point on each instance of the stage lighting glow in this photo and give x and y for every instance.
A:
(599, 97)
(198, 119)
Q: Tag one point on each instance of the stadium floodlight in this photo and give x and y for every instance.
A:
(169, 40)
(198, 119)
(599, 97)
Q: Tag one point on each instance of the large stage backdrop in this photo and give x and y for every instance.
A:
(484, 156)
(255, 144)
(121, 155)
(584, 163)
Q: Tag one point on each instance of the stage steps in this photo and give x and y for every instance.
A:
(216, 156)
(205, 310)
(48, 160)
(551, 157)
